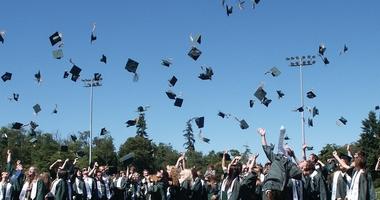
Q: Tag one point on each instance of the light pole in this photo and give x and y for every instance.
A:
(91, 83)
(301, 61)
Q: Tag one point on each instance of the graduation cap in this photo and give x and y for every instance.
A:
(66, 74)
(200, 122)
(32, 133)
(310, 148)
(127, 159)
(280, 94)
(229, 10)
(17, 125)
(166, 62)
(73, 138)
(243, 124)
(64, 148)
(55, 111)
(326, 61)
(205, 140)
(141, 109)
(131, 122)
(98, 77)
(251, 103)
(33, 125)
(196, 39)
(222, 114)
(38, 76)
(266, 101)
(55, 38)
(80, 153)
(311, 95)
(75, 73)
(194, 53)
(103, 59)
(321, 49)
(345, 49)
(37, 108)
(7, 76)
(274, 71)
(93, 36)
(33, 140)
(310, 122)
(16, 96)
(377, 107)
(300, 109)
(170, 94)
(341, 121)
(57, 54)
(207, 74)
(260, 94)
(178, 102)
(315, 111)
(255, 2)
(173, 81)
(2, 35)
(103, 131)
(286, 137)
(131, 66)
(241, 4)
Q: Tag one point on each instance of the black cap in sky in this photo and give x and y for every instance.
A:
(103, 59)
(194, 53)
(222, 114)
(66, 74)
(266, 101)
(178, 102)
(55, 38)
(2, 35)
(75, 73)
(131, 67)
(311, 95)
(55, 111)
(326, 61)
(342, 120)
(38, 76)
(260, 94)
(80, 153)
(243, 124)
(57, 54)
(315, 111)
(310, 122)
(103, 131)
(7, 76)
(251, 103)
(166, 62)
(170, 94)
(300, 109)
(321, 49)
(131, 122)
(274, 71)
(377, 107)
(173, 81)
(207, 74)
(33, 125)
(229, 10)
(17, 125)
(73, 138)
(37, 108)
(280, 94)
(16, 96)
(93, 35)
(200, 122)
(196, 39)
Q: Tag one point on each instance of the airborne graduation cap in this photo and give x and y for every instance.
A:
(73, 138)
(131, 66)
(17, 125)
(243, 124)
(7, 76)
(314, 111)
(173, 81)
(55, 111)
(377, 107)
(171, 95)
(103, 59)
(166, 62)
(103, 131)
(33, 125)
(229, 10)
(75, 72)
(341, 121)
(131, 122)
(55, 38)
(321, 49)
(274, 72)
(194, 53)
(66, 74)
(196, 39)
(38, 76)
(16, 96)
(311, 95)
(251, 103)
(280, 94)
(260, 94)
(310, 122)
(57, 54)
(223, 115)
(300, 109)
(326, 61)
(345, 49)
(37, 108)
(93, 36)
(178, 102)
(199, 121)
(207, 74)
(2, 35)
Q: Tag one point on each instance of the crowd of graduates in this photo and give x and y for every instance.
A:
(282, 177)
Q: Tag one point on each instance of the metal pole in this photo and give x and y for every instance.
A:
(302, 104)
(91, 106)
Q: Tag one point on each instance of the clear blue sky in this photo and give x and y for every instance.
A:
(240, 49)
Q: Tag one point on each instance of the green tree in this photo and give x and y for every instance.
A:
(246, 154)
(164, 155)
(104, 151)
(143, 150)
(189, 137)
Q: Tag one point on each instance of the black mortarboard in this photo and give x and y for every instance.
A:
(311, 95)
(300, 109)
(310, 148)
(207, 74)
(57, 54)
(377, 107)
(197, 39)
(16, 96)
(221, 114)
(266, 101)
(274, 71)
(80, 153)
(178, 102)
(131, 66)
(166, 62)
(33, 125)
(243, 124)
(98, 77)
(17, 125)
(37, 108)
(229, 10)
(205, 140)
(342, 120)
(194, 53)
(66, 74)
(251, 103)
(131, 122)
(200, 122)
(173, 81)
(64, 148)
(345, 48)
(93, 37)
(170, 94)
(310, 122)
(315, 111)
(32, 133)
(2, 37)
(33, 140)
(326, 61)
(280, 94)
(7, 76)
(257, 1)
(260, 94)
(321, 49)
(140, 109)
(103, 131)
(55, 38)
(103, 59)
(38, 76)
(127, 159)
(55, 111)
(75, 73)
(286, 137)
(345, 157)
(73, 138)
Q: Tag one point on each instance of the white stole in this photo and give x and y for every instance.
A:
(24, 190)
(334, 184)
(118, 182)
(229, 191)
(295, 189)
(77, 182)
(54, 186)
(7, 191)
(88, 185)
(106, 184)
(353, 193)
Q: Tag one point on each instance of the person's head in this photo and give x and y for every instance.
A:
(146, 173)
(313, 158)
(307, 167)
(235, 170)
(45, 177)
(19, 165)
(32, 172)
(159, 175)
(122, 174)
(136, 177)
(79, 172)
(4, 176)
(85, 172)
(360, 160)
(185, 175)
(63, 174)
(132, 169)
(173, 174)
(267, 167)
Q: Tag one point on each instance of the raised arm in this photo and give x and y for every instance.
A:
(377, 168)
(304, 151)
(349, 151)
(64, 164)
(224, 168)
(54, 164)
(262, 133)
(92, 171)
(341, 162)
(179, 162)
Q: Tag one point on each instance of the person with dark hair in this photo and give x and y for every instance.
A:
(157, 188)
(282, 169)
(60, 189)
(119, 185)
(340, 180)
(6, 188)
(89, 184)
(16, 175)
(79, 186)
(361, 186)
(313, 185)
(100, 186)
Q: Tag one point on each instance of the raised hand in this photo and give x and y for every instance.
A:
(261, 131)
